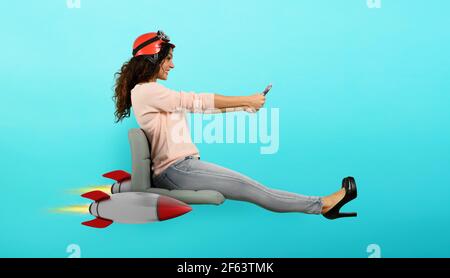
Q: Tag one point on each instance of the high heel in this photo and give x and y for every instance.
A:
(351, 193)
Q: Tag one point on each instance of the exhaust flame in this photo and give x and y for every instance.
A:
(81, 209)
(76, 209)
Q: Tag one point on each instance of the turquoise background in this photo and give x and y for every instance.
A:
(362, 92)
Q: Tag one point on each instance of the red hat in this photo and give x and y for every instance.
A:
(150, 43)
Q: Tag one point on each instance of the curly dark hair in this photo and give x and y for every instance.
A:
(137, 70)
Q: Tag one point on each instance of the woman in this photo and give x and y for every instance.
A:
(160, 112)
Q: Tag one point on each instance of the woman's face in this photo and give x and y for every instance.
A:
(165, 66)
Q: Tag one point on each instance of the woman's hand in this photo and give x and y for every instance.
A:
(255, 102)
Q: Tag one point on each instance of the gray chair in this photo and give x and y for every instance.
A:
(141, 177)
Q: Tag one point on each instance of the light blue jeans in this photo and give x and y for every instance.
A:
(193, 174)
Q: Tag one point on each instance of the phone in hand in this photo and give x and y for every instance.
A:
(267, 89)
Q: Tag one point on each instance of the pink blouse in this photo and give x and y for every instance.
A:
(160, 112)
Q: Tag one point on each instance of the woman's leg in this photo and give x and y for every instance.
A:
(193, 174)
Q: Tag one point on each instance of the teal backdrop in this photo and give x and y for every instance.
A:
(361, 91)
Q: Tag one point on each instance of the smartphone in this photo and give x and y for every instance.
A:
(267, 89)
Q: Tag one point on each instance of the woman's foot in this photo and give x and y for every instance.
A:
(334, 202)
(331, 200)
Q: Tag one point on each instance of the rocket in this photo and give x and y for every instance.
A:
(132, 208)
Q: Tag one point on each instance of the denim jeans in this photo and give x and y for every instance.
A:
(191, 173)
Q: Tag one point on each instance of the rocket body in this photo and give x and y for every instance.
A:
(132, 208)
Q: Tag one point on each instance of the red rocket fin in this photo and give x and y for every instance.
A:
(96, 195)
(98, 223)
(117, 175)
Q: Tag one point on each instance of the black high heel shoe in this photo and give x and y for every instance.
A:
(350, 193)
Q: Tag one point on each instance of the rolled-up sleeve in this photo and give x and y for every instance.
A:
(196, 102)
(157, 98)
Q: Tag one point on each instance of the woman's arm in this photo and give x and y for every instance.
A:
(222, 102)
(155, 97)
(225, 110)
(238, 103)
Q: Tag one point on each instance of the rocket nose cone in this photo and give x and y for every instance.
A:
(170, 208)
